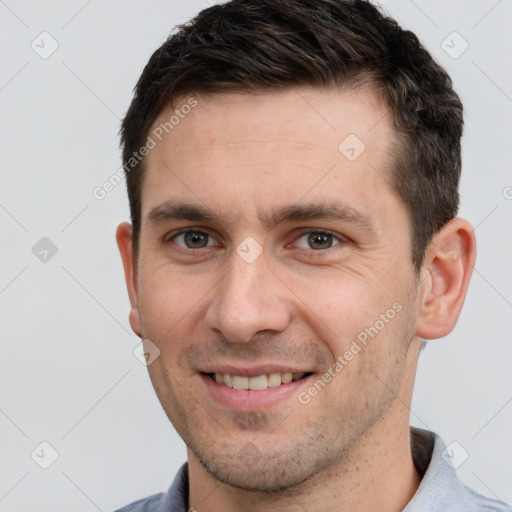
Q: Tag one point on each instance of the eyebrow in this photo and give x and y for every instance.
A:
(326, 211)
(178, 210)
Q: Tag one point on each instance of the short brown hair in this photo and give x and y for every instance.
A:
(261, 45)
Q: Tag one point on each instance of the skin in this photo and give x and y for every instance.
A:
(298, 304)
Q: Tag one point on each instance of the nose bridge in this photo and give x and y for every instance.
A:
(244, 280)
(248, 299)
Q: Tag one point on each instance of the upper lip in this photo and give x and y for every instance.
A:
(252, 371)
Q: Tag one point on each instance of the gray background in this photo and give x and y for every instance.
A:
(68, 375)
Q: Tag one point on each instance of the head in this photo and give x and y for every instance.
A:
(296, 216)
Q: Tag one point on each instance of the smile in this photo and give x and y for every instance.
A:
(258, 382)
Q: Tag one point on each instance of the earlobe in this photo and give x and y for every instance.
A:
(125, 244)
(445, 277)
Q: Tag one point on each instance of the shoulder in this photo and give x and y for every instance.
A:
(475, 502)
(149, 504)
(440, 489)
(175, 499)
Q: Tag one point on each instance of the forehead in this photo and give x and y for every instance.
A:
(269, 148)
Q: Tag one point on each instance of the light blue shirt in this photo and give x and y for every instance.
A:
(440, 489)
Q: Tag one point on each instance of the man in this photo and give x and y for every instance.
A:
(292, 171)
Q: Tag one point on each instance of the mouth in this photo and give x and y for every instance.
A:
(257, 382)
(258, 387)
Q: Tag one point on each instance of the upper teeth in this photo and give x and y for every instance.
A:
(257, 383)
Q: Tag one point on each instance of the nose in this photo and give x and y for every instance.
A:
(250, 299)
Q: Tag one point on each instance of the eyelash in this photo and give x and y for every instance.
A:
(302, 232)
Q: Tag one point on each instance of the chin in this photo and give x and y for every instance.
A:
(251, 470)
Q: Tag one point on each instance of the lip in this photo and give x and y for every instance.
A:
(250, 400)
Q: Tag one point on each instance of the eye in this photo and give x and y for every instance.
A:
(192, 239)
(317, 240)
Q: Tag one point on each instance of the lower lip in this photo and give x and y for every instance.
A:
(249, 400)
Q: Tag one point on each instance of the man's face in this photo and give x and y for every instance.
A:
(267, 248)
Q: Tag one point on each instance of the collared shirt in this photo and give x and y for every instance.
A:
(440, 489)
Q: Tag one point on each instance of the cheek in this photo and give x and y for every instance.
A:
(344, 303)
(167, 300)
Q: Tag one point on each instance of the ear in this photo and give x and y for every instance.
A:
(125, 243)
(444, 279)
